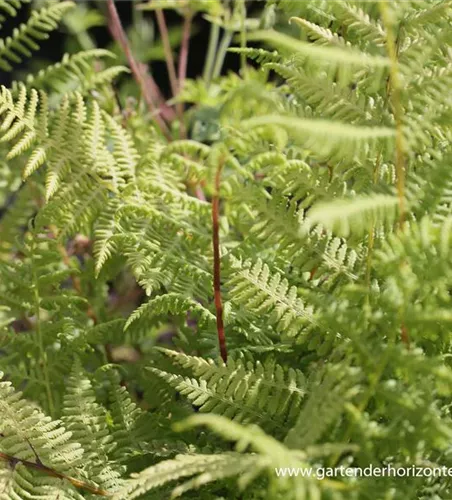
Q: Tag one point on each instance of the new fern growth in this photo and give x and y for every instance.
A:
(252, 277)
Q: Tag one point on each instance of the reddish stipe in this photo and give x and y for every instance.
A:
(77, 483)
(216, 263)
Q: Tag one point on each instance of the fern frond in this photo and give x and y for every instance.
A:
(321, 36)
(355, 215)
(329, 139)
(342, 59)
(207, 468)
(170, 303)
(332, 389)
(359, 23)
(254, 287)
(242, 391)
(73, 70)
(86, 420)
(9, 8)
(261, 56)
(24, 430)
(25, 39)
(270, 456)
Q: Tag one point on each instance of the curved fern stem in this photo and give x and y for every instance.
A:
(169, 59)
(210, 58)
(183, 59)
(170, 64)
(224, 45)
(147, 85)
(216, 262)
(243, 39)
(38, 466)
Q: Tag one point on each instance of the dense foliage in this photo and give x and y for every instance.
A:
(325, 162)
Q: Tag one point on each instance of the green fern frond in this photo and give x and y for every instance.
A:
(321, 36)
(207, 468)
(86, 420)
(261, 56)
(258, 291)
(329, 139)
(359, 23)
(73, 71)
(355, 215)
(9, 8)
(26, 430)
(170, 303)
(271, 455)
(340, 58)
(130, 427)
(331, 390)
(242, 391)
(25, 39)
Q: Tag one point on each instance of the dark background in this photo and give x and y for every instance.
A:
(52, 49)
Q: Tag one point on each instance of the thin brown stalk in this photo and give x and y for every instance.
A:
(185, 48)
(183, 57)
(404, 335)
(77, 483)
(148, 87)
(169, 59)
(216, 262)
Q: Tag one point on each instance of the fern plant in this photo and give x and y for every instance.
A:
(203, 296)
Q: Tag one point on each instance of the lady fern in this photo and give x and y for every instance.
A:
(313, 188)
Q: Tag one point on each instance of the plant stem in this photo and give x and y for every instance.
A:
(183, 60)
(77, 483)
(210, 59)
(243, 65)
(224, 45)
(167, 49)
(216, 262)
(395, 96)
(148, 87)
(185, 48)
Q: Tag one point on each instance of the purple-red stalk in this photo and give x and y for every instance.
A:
(184, 50)
(216, 262)
(169, 59)
(77, 483)
(148, 87)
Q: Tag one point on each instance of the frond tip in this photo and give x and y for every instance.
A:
(353, 216)
(329, 139)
